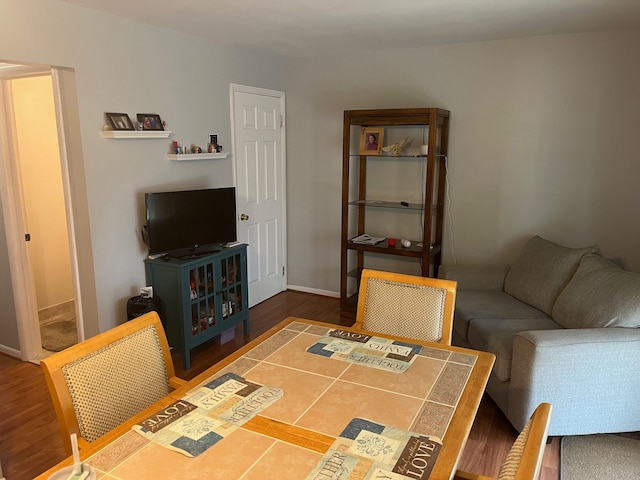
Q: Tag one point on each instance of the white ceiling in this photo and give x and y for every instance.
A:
(306, 28)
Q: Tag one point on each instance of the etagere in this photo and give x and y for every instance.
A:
(392, 193)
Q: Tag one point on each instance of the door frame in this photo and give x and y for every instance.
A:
(238, 88)
(14, 219)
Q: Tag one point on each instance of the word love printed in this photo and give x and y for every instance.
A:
(167, 416)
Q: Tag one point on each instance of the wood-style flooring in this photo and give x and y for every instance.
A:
(30, 442)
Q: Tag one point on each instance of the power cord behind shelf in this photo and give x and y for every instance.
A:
(447, 190)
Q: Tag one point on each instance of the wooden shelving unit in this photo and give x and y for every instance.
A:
(373, 186)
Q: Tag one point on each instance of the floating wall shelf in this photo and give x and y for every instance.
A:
(183, 157)
(128, 134)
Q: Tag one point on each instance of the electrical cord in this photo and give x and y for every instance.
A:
(447, 189)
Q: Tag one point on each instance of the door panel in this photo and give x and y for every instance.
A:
(259, 163)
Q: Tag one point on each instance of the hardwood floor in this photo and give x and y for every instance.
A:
(30, 441)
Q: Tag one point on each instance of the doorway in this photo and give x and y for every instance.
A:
(35, 201)
(39, 170)
(258, 137)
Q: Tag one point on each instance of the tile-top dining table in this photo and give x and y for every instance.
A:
(306, 400)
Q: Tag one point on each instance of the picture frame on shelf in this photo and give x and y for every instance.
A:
(150, 121)
(371, 140)
(119, 121)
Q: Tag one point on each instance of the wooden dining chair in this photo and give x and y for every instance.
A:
(524, 460)
(406, 305)
(101, 382)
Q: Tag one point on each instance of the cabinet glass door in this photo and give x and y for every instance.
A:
(231, 283)
(202, 295)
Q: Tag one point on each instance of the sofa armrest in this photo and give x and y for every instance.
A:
(590, 376)
(475, 277)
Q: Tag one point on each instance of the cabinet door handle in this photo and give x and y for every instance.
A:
(244, 217)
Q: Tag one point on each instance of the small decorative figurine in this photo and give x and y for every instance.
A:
(396, 149)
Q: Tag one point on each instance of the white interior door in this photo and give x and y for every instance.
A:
(259, 169)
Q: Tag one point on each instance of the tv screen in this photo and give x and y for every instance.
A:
(190, 222)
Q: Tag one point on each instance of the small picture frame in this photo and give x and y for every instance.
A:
(119, 121)
(150, 121)
(371, 140)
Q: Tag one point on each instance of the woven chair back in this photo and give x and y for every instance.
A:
(406, 306)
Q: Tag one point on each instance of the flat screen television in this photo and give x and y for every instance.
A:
(190, 223)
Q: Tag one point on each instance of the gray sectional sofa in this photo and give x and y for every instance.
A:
(564, 324)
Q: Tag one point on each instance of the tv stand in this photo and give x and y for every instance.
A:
(197, 252)
(202, 297)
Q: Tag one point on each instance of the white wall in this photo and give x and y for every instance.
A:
(544, 140)
(543, 134)
(124, 66)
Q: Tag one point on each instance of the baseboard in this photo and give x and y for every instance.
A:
(53, 313)
(325, 293)
(12, 352)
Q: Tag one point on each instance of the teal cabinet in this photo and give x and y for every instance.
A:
(202, 297)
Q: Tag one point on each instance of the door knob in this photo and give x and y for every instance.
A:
(244, 217)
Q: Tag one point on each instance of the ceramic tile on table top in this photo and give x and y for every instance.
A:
(229, 458)
(451, 383)
(433, 419)
(118, 451)
(271, 344)
(301, 327)
(318, 330)
(417, 381)
(344, 400)
(435, 353)
(294, 354)
(300, 389)
(284, 461)
(464, 358)
(239, 367)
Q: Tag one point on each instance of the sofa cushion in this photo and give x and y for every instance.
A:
(600, 294)
(542, 270)
(489, 304)
(496, 335)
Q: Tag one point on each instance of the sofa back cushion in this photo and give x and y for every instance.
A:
(542, 270)
(600, 294)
